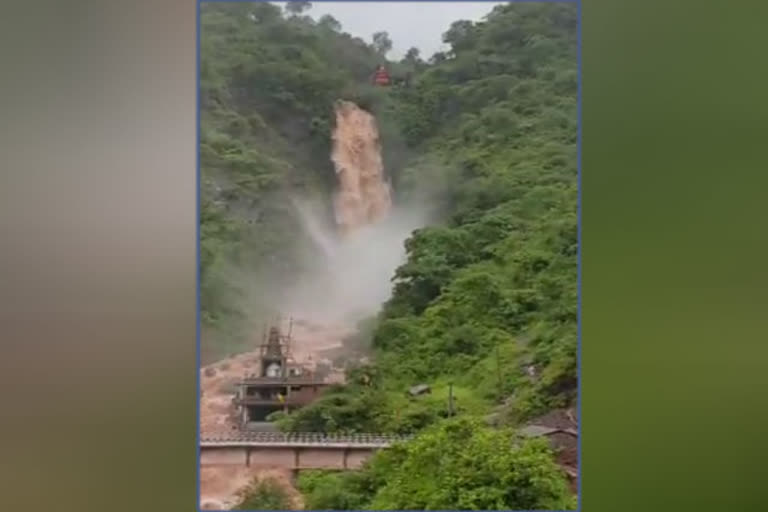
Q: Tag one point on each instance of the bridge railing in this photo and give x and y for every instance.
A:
(257, 400)
(302, 438)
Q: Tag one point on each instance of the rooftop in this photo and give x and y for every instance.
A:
(293, 381)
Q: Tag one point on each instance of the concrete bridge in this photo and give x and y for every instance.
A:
(294, 451)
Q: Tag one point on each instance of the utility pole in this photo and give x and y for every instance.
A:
(498, 372)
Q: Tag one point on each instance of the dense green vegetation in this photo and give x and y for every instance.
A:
(456, 465)
(265, 494)
(485, 308)
(268, 84)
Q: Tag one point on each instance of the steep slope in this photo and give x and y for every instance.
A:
(497, 282)
(268, 87)
(487, 299)
(484, 310)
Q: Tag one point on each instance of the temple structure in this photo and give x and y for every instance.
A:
(280, 384)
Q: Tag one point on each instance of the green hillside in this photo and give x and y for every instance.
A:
(268, 84)
(485, 308)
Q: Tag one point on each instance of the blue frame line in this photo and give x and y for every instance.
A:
(197, 245)
(579, 226)
(578, 251)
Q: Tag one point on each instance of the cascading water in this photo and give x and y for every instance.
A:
(364, 196)
(320, 236)
(365, 246)
(351, 280)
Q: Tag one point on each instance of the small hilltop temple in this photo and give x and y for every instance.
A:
(280, 384)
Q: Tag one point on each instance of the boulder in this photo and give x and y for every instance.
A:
(421, 389)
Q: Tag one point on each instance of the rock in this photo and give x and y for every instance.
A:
(421, 389)
(537, 431)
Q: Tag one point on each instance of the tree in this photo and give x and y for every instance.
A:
(264, 12)
(323, 490)
(458, 34)
(329, 22)
(412, 55)
(464, 465)
(297, 7)
(438, 58)
(265, 494)
(382, 43)
(353, 408)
